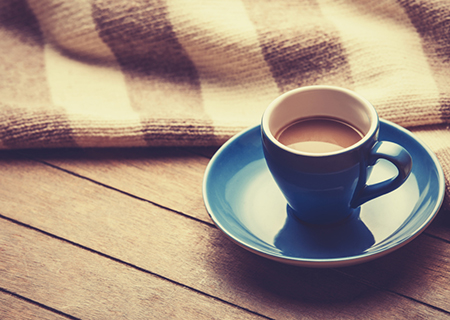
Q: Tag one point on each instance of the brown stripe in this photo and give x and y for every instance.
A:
(445, 107)
(162, 81)
(300, 47)
(431, 20)
(188, 132)
(141, 37)
(22, 66)
(27, 116)
(25, 128)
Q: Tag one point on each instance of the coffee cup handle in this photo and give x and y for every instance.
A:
(396, 155)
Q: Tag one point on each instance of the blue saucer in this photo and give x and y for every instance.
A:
(244, 202)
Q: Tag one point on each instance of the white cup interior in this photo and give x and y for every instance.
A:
(320, 101)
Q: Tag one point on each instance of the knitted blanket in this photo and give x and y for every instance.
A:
(104, 73)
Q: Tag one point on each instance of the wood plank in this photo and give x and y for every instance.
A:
(192, 253)
(170, 177)
(87, 285)
(420, 270)
(13, 308)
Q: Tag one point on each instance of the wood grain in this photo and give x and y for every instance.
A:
(195, 254)
(88, 286)
(13, 308)
(420, 270)
(169, 177)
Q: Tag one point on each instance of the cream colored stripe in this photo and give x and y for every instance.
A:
(218, 36)
(436, 137)
(94, 95)
(385, 54)
(88, 89)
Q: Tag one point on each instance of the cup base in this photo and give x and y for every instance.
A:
(352, 212)
(347, 236)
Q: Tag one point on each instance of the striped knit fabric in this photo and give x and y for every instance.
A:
(102, 73)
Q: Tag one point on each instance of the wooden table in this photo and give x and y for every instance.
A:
(123, 233)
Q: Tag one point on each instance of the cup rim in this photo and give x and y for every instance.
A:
(371, 109)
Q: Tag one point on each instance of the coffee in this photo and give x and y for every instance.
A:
(318, 135)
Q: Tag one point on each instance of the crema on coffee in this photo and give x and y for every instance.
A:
(318, 135)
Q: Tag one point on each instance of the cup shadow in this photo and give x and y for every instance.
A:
(348, 238)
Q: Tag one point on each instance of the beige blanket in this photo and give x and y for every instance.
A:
(102, 73)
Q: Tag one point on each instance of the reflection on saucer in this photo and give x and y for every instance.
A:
(347, 238)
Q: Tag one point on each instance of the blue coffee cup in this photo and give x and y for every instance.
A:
(327, 187)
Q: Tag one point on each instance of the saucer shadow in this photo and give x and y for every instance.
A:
(345, 239)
